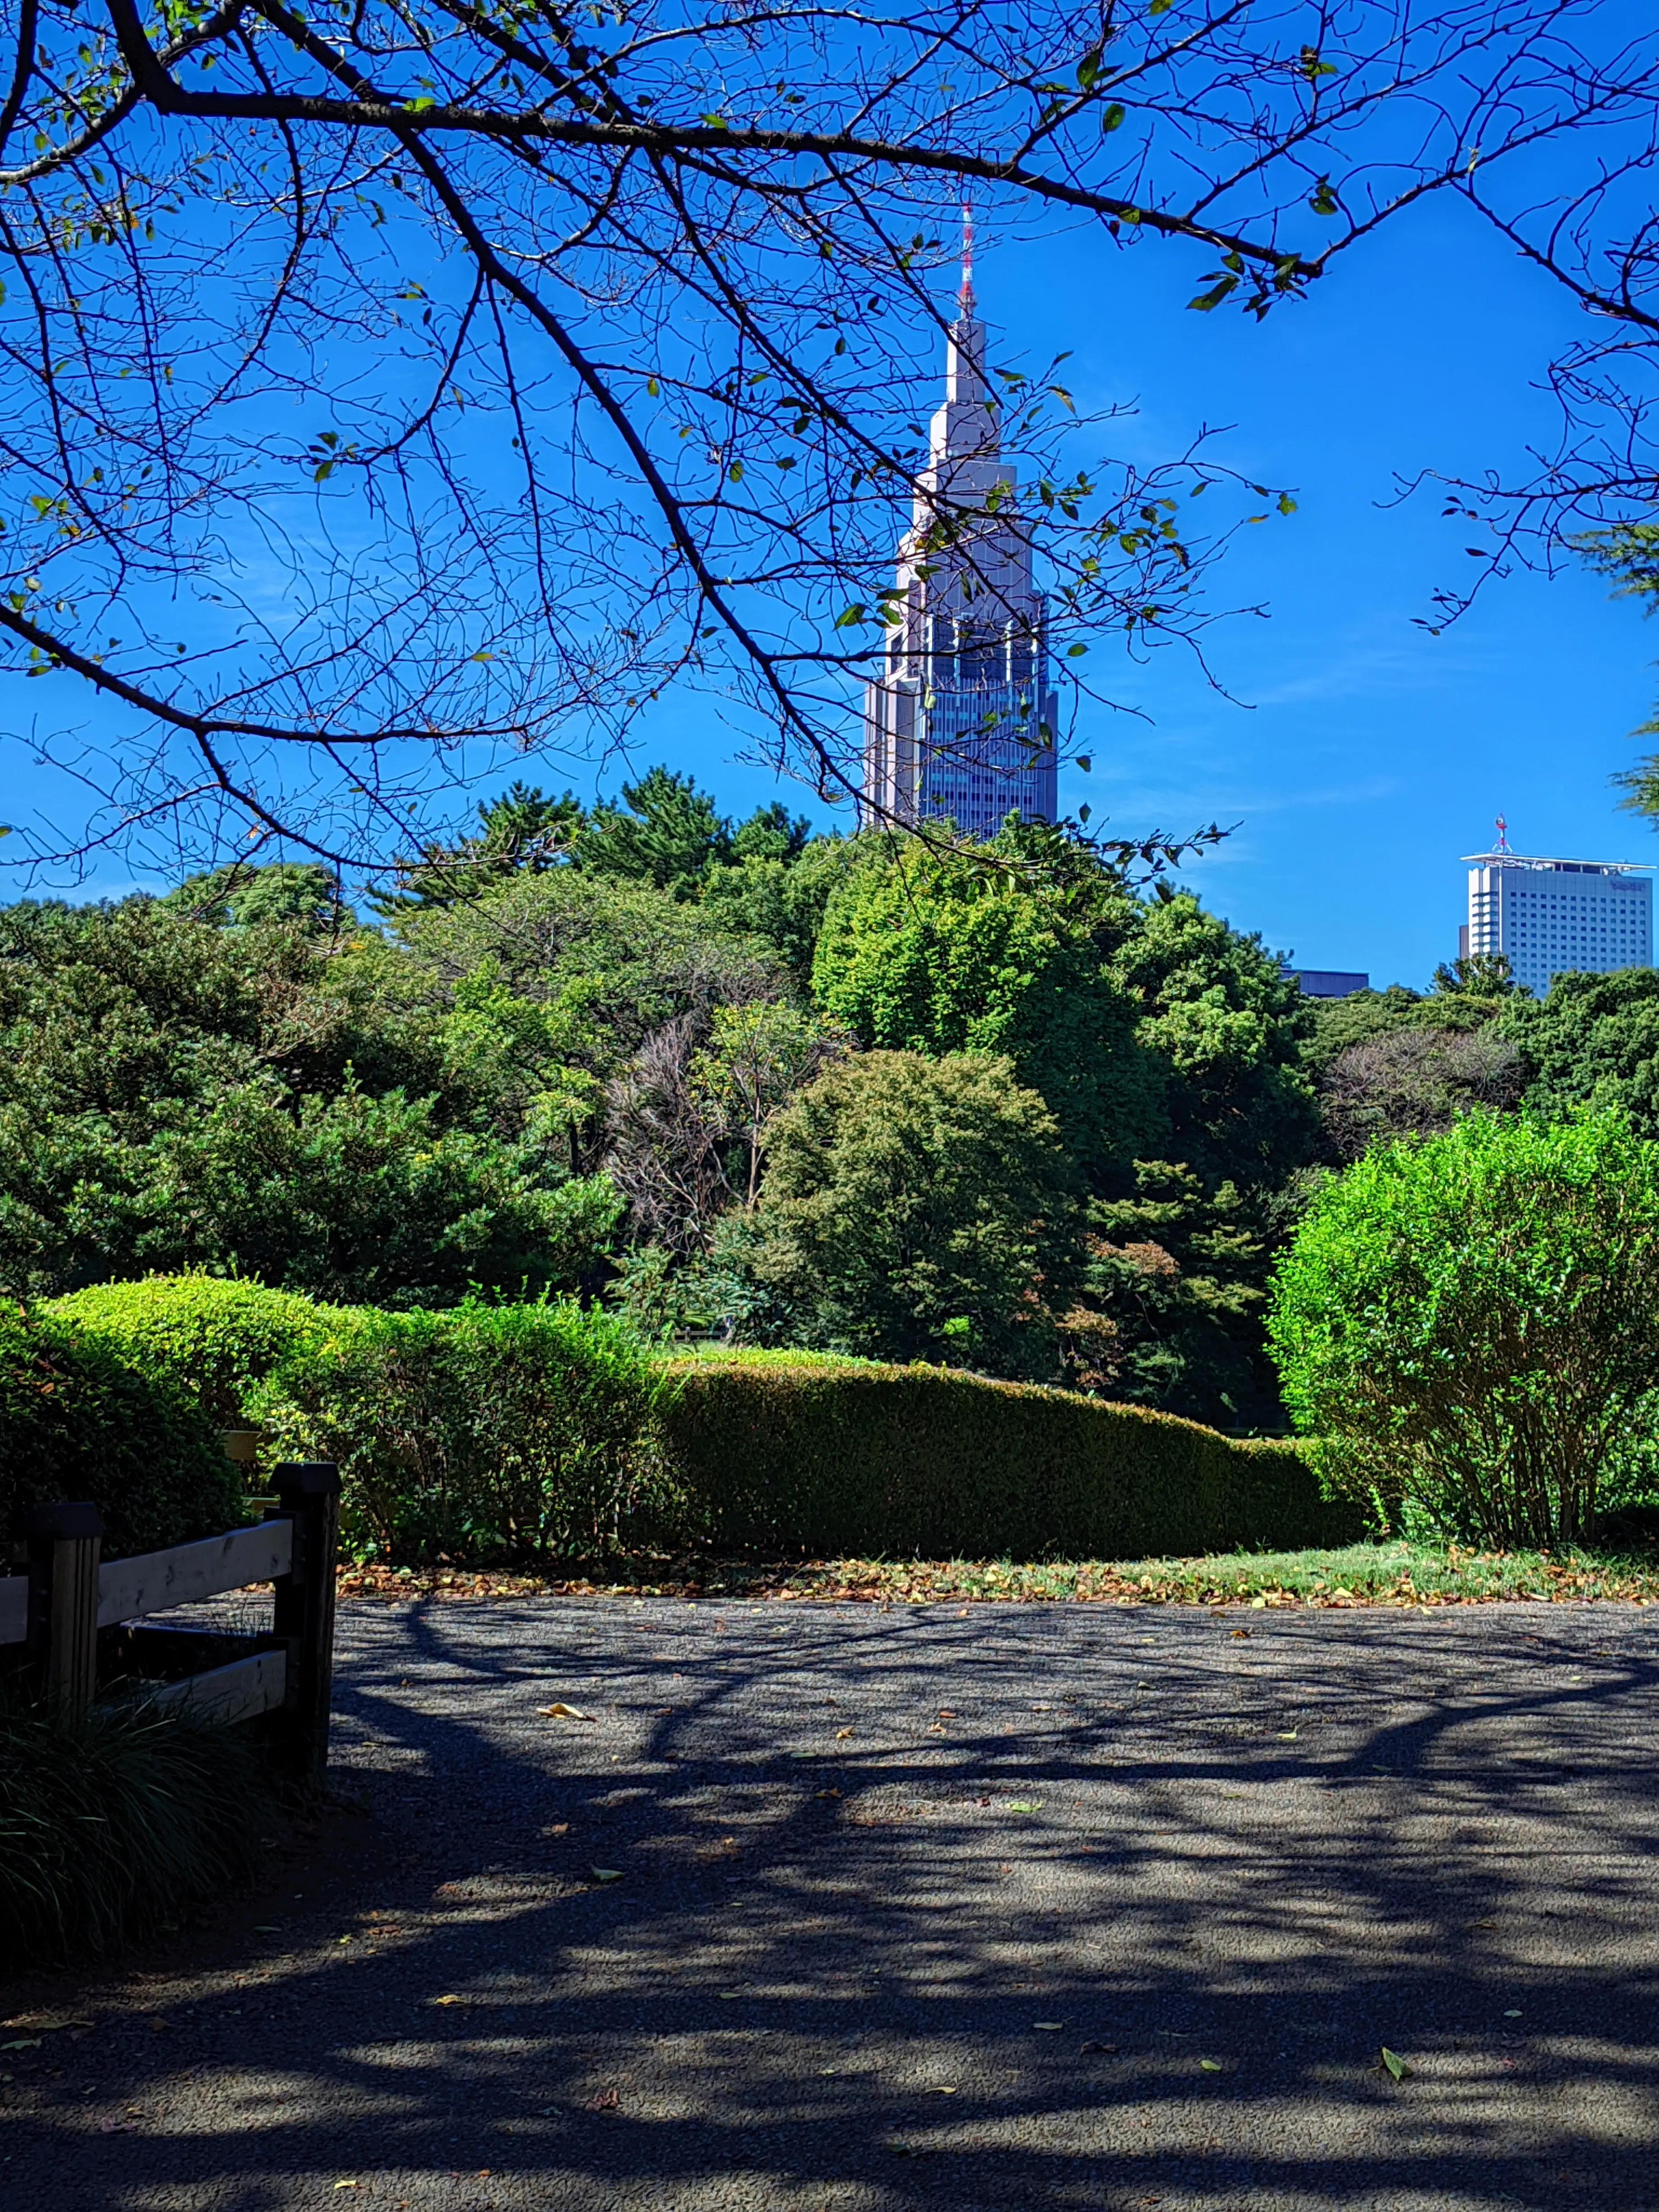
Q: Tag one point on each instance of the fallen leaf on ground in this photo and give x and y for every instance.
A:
(22, 2043)
(606, 1873)
(1287, 1735)
(348, 2185)
(1210, 2065)
(45, 2024)
(1483, 1923)
(945, 2089)
(841, 1734)
(1394, 2063)
(558, 1711)
(1049, 2026)
(118, 2127)
(1025, 1805)
(826, 1793)
(448, 2000)
(608, 2101)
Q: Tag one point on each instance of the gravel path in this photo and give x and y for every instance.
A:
(1013, 1907)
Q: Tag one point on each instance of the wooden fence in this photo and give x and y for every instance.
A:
(84, 1621)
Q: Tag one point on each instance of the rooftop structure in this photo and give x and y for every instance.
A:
(962, 720)
(1553, 917)
(1326, 983)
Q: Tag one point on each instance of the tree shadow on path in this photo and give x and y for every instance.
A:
(1038, 1906)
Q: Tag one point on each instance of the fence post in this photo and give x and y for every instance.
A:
(64, 1542)
(308, 1491)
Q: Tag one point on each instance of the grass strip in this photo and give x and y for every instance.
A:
(1387, 1574)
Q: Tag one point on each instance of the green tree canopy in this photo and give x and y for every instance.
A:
(244, 894)
(524, 830)
(927, 949)
(1593, 1041)
(175, 1093)
(912, 1208)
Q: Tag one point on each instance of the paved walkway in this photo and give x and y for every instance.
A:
(1012, 1906)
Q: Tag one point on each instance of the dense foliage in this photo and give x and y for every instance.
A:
(211, 1336)
(480, 1431)
(773, 1450)
(1471, 1322)
(80, 1420)
(909, 1208)
(616, 1051)
(119, 1818)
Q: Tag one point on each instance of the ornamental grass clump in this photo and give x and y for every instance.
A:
(116, 1820)
(1470, 1324)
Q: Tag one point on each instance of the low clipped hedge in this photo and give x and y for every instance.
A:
(78, 1420)
(492, 1432)
(841, 1456)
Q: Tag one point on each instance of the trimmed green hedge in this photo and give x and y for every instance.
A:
(847, 1457)
(76, 1420)
(479, 1432)
(488, 1431)
(215, 1337)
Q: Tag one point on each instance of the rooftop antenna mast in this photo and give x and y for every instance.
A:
(965, 296)
(1502, 828)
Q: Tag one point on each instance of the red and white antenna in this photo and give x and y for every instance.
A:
(1503, 844)
(965, 297)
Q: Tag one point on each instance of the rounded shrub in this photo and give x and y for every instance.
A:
(480, 1430)
(77, 1421)
(215, 1336)
(1472, 1322)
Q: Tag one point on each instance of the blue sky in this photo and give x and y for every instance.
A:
(1364, 756)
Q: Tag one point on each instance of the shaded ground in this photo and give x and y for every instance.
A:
(1057, 1906)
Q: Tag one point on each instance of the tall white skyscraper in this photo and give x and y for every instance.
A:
(962, 720)
(1555, 917)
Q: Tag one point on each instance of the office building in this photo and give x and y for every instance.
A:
(962, 720)
(1556, 917)
(1326, 983)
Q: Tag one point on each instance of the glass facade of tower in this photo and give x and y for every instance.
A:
(1559, 917)
(962, 722)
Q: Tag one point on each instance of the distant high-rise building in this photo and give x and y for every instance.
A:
(962, 720)
(1326, 983)
(1556, 917)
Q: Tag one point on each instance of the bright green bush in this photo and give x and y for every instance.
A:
(215, 1337)
(825, 1455)
(912, 1208)
(480, 1431)
(112, 1821)
(1472, 1322)
(78, 1421)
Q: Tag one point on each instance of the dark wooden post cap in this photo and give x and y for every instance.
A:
(295, 1479)
(60, 1523)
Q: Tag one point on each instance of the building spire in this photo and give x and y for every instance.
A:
(965, 302)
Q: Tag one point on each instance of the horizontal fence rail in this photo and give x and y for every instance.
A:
(78, 1616)
(156, 1580)
(257, 1684)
